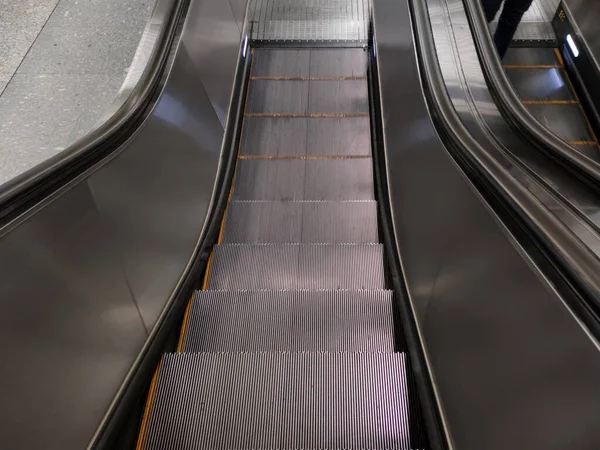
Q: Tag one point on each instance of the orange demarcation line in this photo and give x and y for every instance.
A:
(223, 221)
(582, 142)
(188, 311)
(316, 115)
(532, 66)
(550, 102)
(141, 443)
(296, 78)
(184, 325)
(304, 157)
(208, 270)
(560, 58)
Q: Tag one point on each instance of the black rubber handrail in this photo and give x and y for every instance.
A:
(577, 262)
(513, 110)
(45, 178)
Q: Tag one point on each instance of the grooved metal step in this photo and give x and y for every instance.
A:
(297, 266)
(280, 401)
(258, 321)
(301, 222)
(288, 180)
(306, 136)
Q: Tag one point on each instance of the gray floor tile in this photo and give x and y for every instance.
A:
(107, 13)
(43, 114)
(4, 79)
(23, 15)
(14, 47)
(91, 50)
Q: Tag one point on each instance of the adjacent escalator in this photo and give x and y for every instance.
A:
(539, 78)
(291, 343)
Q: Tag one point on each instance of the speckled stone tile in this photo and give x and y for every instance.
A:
(4, 79)
(106, 13)
(25, 15)
(82, 50)
(43, 114)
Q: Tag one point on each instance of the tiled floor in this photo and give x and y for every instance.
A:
(62, 63)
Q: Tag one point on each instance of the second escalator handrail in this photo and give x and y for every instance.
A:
(573, 258)
(512, 108)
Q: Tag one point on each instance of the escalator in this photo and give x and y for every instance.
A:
(539, 78)
(291, 343)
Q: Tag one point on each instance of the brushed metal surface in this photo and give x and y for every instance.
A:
(211, 41)
(512, 366)
(301, 222)
(322, 179)
(573, 202)
(291, 321)
(85, 275)
(297, 266)
(301, 136)
(275, 62)
(281, 401)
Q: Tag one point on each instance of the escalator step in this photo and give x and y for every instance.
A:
(308, 97)
(260, 222)
(314, 63)
(255, 321)
(287, 180)
(541, 84)
(306, 136)
(280, 401)
(297, 266)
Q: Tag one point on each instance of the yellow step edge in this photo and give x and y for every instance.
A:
(143, 436)
(532, 66)
(315, 115)
(304, 157)
(550, 102)
(297, 78)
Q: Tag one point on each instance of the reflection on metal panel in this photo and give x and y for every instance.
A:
(85, 276)
(320, 21)
(213, 24)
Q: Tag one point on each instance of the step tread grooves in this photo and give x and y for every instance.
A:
(297, 266)
(281, 400)
(301, 222)
(254, 321)
(288, 180)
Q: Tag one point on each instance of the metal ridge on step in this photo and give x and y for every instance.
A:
(255, 321)
(281, 401)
